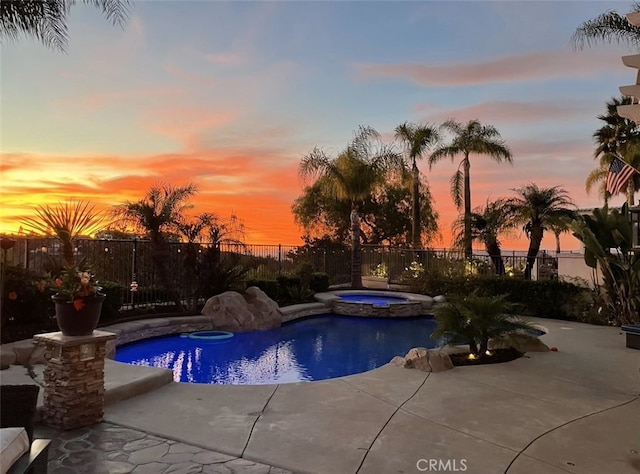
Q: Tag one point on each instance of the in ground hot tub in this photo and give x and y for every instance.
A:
(376, 303)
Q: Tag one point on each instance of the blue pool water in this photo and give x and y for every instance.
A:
(317, 348)
(373, 299)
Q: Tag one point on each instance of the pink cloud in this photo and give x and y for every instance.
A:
(509, 112)
(538, 65)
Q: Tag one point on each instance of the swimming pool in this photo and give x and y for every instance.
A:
(316, 348)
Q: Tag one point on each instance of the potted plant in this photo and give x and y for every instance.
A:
(78, 302)
(78, 299)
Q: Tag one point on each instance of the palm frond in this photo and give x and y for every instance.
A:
(609, 27)
(457, 185)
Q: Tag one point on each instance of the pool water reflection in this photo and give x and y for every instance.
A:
(316, 348)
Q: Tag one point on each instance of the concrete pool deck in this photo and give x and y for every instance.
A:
(576, 410)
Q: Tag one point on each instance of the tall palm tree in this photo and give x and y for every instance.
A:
(46, 20)
(487, 223)
(617, 137)
(536, 209)
(157, 213)
(417, 139)
(353, 175)
(67, 222)
(609, 27)
(472, 137)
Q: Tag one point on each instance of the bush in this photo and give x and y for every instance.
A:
(25, 297)
(270, 287)
(113, 302)
(318, 282)
(545, 298)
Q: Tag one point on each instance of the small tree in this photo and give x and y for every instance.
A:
(473, 320)
(67, 222)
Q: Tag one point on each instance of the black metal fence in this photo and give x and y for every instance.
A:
(123, 262)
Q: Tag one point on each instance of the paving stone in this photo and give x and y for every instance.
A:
(77, 445)
(216, 469)
(110, 446)
(176, 458)
(148, 455)
(184, 468)
(211, 457)
(247, 467)
(117, 456)
(112, 467)
(183, 448)
(142, 443)
(150, 468)
(110, 449)
(80, 458)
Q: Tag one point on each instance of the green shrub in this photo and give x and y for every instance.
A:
(545, 298)
(25, 299)
(474, 319)
(113, 302)
(318, 282)
(270, 287)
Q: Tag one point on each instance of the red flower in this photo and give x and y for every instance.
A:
(58, 282)
(13, 295)
(78, 304)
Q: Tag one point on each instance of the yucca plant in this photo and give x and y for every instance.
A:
(66, 221)
(473, 320)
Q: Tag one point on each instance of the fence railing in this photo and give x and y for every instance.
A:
(123, 262)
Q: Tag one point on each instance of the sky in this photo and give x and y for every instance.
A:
(231, 95)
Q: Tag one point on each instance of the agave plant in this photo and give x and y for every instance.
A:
(473, 320)
(66, 221)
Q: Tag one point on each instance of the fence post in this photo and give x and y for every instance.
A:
(134, 278)
(279, 259)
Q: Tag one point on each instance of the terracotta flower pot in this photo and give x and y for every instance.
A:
(80, 317)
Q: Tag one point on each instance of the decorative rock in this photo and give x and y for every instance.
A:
(439, 361)
(427, 302)
(425, 360)
(230, 311)
(440, 299)
(265, 310)
(417, 358)
(520, 342)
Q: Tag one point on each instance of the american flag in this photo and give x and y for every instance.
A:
(618, 175)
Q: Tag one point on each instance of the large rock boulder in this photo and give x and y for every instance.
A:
(231, 311)
(425, 360)
(266, 311)
(521, 342)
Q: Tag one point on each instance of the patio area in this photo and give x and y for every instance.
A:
(576, 410)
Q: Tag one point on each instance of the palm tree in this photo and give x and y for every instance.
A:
(157, 213)
(617, 137)
(472, 137)
(67, 222)
(47, 20)
(487, 223)
(609, 27)
(417, 139)
(205, 234)
(352, 176)
(536, 209)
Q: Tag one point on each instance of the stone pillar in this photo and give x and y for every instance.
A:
(73, 378)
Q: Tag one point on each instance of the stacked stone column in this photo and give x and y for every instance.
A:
(73, 378)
